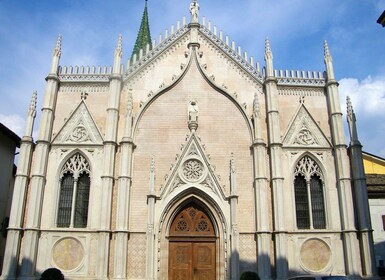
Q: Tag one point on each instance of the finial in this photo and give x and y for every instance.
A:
(256, 104)
(302, 99)
(118, 50)
(32, 106)
(129, 102)
(57, 50)
(267, 46)
(152, 167)
(350, 111)
(232, 163)
(83, 95)
(326, 49)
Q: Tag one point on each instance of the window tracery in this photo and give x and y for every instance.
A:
(74, 193)
(309, 195)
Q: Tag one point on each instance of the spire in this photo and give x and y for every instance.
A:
(269, 59)
(144, 36)
(56, 56)
(328, 62)
(352, 122)
(118, 55)
(31, 116)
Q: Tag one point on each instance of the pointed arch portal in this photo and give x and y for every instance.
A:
(192, 245)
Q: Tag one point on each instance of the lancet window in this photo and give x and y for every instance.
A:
(309, 195)
(74, 193)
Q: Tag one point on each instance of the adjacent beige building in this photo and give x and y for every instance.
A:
(189, 162)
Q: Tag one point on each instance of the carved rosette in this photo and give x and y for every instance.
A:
(305, 137)
(192, 170)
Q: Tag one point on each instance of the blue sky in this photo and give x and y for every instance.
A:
(296, 29)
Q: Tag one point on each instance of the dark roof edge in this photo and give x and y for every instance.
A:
(12, 135)
(371, 155)
(381, 19)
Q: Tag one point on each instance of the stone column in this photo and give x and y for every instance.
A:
(123, 199)
(275, 148)
(151, 197)
(341, 160)
(14, 234)
(263, 232)
(234, 258)
(361, 197)
(38, 178)
(110, 145)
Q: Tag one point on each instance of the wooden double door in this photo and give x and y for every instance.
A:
(192, 247)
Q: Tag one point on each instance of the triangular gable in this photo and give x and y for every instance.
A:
(80, 129)
(207, 34)
(304, 132)
(192, 169)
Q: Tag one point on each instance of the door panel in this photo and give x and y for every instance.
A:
(192, 261)
(180, 260)
(204, 261)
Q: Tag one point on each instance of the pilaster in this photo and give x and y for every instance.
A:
(361, 197)
(275, 149)
(263, 231)
(342, 170)
(123, 198)
(151, 197)
(110, 145)
(37, 184)
(12, 250)
(234, 258)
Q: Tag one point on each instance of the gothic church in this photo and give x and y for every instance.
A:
(189, 162)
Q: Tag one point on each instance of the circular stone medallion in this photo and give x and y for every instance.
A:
(68, 253)
(193, 170)
(315, 254)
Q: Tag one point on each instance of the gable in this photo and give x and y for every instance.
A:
(80, 129)
(304, 132)
(192, 169)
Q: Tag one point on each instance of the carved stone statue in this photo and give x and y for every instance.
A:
(193, 111)
(194, 10)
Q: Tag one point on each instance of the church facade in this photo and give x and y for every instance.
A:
(190, 162)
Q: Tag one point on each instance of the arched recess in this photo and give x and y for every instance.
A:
(73, 192)
(192, 59)
(310, 193)
(216, 235)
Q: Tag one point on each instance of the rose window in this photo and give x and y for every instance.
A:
(193, 170)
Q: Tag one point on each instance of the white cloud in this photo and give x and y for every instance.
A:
(14, 123)
(368, 96)
(368, 100)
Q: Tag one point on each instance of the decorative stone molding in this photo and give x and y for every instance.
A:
(159, 52)
(84, 87)
(241, 62)
(301, 91)
(304, 132)
(191, 168)
(79, 129)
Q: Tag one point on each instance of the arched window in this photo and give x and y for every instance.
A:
(74, 193)
(309, 195)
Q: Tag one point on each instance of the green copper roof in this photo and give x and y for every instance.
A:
(144, 36)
